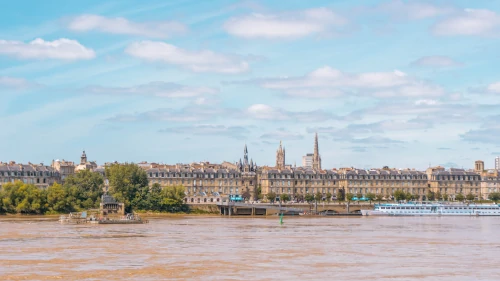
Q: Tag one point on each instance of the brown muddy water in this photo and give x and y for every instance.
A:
(221, 248)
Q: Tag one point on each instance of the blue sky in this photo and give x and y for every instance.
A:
(396, 83)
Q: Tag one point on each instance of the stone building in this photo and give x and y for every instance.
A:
(454, 181)
(84, 164)
(65, 168)
(280, 157)
(38, 174)
(490, 182)
(316, 157)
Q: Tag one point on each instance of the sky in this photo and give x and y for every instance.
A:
(383, 83)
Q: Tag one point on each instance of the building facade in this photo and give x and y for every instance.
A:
(38, 174)
(307, 161)
(64, 168)
(497, 163)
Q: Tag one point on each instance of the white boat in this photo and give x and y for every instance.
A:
(433, 209)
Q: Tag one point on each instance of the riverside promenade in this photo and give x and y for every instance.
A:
(263, 209)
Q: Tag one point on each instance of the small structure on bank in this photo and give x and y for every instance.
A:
(110, 212)
(109, 206)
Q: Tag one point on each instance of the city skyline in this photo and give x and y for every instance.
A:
(383, 83)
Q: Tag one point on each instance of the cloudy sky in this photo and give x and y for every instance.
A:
(396, 83)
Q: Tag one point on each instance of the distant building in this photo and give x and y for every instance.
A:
(307, 161)
(64, 168)
(479, 166)
(316, 157)
(38, 174)
(84, 164)
(280, 157)
(497, 163)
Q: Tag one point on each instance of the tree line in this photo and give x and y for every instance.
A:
(128, 183)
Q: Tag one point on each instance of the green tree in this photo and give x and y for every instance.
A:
(494, 196)
(258, 193)
(128, 183)
(370, 196)
(284, 197)
(446, 197)
(271, 196)
(438, 196)
(359, 196)
(155, 197)
(460, 197)
(85, 189)
(58, 199)
(328, 197)
(173, 199)
(379, 197)
(24, 198)
(318, 196)
(340, 195)
(309, 198)
(349, 197)
(408, 196)
(470, 196)
(399, 195)
(430, 196)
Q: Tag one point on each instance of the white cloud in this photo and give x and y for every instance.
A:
(236, 132)
(436, 61)
(197, 61)
(329, 82)
(64, 49)
(285, 25)
(494, 88)
(412, 10)
(160, 29)
(282, 134)
(7, 82)
(469, 22)
(266, 112)
(158, 89)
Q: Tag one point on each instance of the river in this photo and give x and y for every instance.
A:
(222, 248)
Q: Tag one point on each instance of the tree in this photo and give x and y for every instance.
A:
(271, 196)
(58, 199)
(328, 197)
(438, 196)
(258, 193)
(470, 196)
(430, 196)
(460, 197)
(446, 197)
(284, 197)
(408, 196)
(341, 195)
(359, 196)
(379, 197)
(24, 198)
(318, 197)
(127, 183)
(399, 195)
(370, 196)
(246, 195)
(494, 196)
(173, 199)
(349, 197)
(309, 198)
(85, 188)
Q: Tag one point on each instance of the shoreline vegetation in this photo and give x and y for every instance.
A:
(128, 183)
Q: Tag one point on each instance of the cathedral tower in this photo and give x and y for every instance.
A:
(316, 157)
(280, 157)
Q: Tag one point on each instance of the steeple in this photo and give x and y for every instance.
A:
(316, 156)
(245, 157)
(280, 157)
(83, 158)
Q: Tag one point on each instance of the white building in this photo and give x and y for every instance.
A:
(497, 163)
(307, 161)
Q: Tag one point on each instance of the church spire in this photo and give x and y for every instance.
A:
(316, 156)
(280, 157)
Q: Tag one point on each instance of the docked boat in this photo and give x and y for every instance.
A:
(433, 209)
